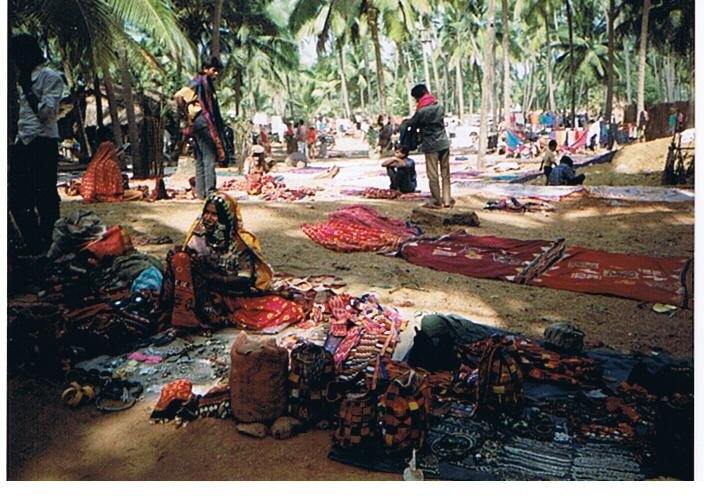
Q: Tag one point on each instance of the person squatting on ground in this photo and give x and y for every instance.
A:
(33, 199)
(402, 171)
(435, 144)
(198, 103)
(564, 174)
(549, 160)
(258, 162)
(218, 259)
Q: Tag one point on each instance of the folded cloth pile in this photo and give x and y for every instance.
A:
(360, 228)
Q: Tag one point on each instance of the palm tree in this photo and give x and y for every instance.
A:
(87, 33)
(487, 83)
(568, 4)
(393, 15)
(641, 56)
(217, 19)
(507, 64)
(610, 66)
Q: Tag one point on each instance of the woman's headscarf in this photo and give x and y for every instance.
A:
(223, 239)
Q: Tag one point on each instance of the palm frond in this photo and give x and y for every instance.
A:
(157, 19)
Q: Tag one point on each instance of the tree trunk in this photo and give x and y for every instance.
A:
(410, 72)
(13, 102)
(135, 148)
(670, 77)
(572, 70)
(527, 85)
(610, 63)
(692, 90)
(641, 56)
(627, 58)
(447, 96)
(82, 138)
(372, 15)
(495, 113)
(98, 103)
(343, 81)
(369, 81)
(436, 79)
(291, 109)
(237, 89)
(548, 67)
(217, 19)
(507, 62)
(113, 107)
(424, 41)
(487, 89)
(439, 88)
(459, 88)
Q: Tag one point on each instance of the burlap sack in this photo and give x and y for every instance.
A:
(258, 375)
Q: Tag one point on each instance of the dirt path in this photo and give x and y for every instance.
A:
(48, 442)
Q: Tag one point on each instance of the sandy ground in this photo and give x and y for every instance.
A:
(49, 442)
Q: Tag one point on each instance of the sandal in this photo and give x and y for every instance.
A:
(434, 206)
(450, 205)
(120, 395)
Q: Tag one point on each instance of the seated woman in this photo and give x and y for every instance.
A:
(219, 276)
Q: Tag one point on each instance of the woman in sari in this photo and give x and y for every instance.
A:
(219, 276)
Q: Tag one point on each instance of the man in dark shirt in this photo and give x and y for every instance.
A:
(198, 103)
(429, 118)
(563, 174)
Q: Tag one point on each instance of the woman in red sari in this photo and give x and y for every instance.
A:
(219, 276)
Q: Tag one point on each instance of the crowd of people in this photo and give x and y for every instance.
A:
(34, 204)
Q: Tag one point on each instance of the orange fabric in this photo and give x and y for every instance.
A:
(114, 242)
(180, 389)
(102, 181)
(263, 312)
(183, 313)
(311, 136)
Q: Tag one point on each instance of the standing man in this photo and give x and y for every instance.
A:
(198, 104)
(434, 143)
(32, 196)
(302, 137)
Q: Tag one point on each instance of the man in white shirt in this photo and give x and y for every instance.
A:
(32, 196)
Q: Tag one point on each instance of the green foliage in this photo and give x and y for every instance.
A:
(260, 42)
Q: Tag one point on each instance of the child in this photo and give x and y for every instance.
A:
(401, 170)
(549, 160)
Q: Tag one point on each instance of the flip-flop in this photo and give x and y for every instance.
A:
(452, 204)
(124, 393)
(434, 206)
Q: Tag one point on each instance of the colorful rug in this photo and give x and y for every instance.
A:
(639, 277)
(486, 257)
(384, 193)
(360, 228)
(552, 265)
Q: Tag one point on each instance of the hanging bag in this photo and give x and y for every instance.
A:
(356, 419)
(500, 384)
(311, 373)
(403, 413)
